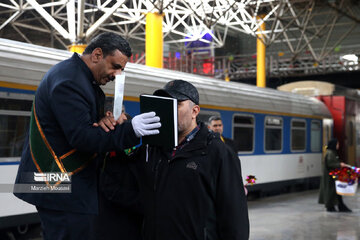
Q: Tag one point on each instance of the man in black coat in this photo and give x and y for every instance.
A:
(215, 124)
(194, 191)
(62, 137)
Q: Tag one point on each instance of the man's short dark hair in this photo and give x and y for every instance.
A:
(214, 118)
(109, 42)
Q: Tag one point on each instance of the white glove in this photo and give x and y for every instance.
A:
(146, 124)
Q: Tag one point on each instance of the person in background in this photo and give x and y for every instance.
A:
(215, 124)
(62, 137)
(120, 213)
(328, 194)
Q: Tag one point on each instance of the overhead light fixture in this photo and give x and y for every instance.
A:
(350, 58)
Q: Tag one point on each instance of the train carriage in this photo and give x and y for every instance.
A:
(344, 105)
(279, 135)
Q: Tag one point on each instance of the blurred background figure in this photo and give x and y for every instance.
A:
(328, 194)
(108, 122)
(215, 124)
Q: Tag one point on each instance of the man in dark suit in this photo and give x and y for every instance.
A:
(215, 124)
(62, 137)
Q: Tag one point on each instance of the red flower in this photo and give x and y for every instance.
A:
(346, 174)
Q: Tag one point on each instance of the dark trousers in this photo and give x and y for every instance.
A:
(340, 200)
(59, 225)
(116, 222)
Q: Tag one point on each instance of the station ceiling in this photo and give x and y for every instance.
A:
(304, 38)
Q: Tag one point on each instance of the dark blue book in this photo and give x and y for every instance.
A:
(166, 109)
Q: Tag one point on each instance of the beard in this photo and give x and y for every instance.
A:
(181, 128)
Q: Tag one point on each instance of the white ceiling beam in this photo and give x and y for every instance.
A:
(70, 10)
(32, 27)
(21, 34)
(8, 6)
(45, 5)
(80, 22)
(183, 18)
(14, 3)
(103, 18)
(49, 18)
(9, 19)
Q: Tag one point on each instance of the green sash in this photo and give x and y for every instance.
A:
(44, 156)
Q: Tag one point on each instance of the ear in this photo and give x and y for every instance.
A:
(97, 55)
(195, 111)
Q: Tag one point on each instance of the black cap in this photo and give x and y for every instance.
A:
(179, 89)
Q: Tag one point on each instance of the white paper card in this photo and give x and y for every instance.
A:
(119, 94)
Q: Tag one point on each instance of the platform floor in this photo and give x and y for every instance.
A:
(294, 216)
(298, 216)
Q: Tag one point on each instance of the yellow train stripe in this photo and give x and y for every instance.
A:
(18, 86)
(258, 111)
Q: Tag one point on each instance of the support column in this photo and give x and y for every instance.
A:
(260, 59)
(78, 48)
(154, 40)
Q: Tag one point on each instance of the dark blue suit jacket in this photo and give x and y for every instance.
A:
(67, 103)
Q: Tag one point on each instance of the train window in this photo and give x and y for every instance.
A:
(243, 132)
(15, 104)
(298, 135)
(273, 134)
(298, 124)
(14, 124)
(243, 120)
(315, 136)
(204, 115)
(13, 130)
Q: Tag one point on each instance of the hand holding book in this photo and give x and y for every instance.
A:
(146, 124)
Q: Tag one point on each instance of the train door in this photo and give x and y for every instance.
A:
(327, 132)
(350, 140)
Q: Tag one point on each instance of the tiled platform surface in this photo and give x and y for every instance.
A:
(298, 216)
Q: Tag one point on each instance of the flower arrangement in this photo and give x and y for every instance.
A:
(346, 174)
(250, 179)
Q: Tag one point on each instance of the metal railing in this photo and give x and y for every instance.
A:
(244, 66)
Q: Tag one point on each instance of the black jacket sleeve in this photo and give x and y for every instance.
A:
(231, 203)
(72, 111)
